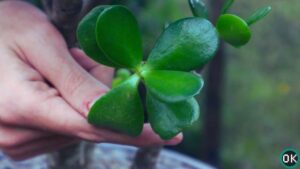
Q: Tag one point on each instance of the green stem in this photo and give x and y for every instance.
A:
(226, 6)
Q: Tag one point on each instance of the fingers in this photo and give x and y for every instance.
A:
(38, 147)
(100, 72)
(21, 143)
(44, 49)
(147, 138)
(55, 115)
(14, 136)
(49, 143)
(40, 106)
(47, 52)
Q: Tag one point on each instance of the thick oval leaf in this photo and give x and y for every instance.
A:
(185, 45)
(123, 73)
(258, 15)
(86, 36)
(198, 8)
(233, 29)
(120, 109)
(116, 82)
(169, 119)
(121, 76)
(172, 86)
(119, 37)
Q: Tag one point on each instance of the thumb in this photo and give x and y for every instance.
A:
(47, 51)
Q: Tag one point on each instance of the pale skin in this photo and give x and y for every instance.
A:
(46, 89)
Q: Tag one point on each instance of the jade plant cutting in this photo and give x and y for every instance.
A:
(235, 30)
(110, 35)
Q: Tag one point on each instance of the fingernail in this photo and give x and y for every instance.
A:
(91, 103)
(176, 140)
(94, 101)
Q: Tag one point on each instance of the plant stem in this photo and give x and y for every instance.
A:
(145, 158)
(210, 148)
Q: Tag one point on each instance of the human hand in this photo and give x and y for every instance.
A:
(46, 90)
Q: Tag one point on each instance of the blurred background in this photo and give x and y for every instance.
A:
(250, 105)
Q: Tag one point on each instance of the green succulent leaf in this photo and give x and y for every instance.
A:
(169, 119)
(119, 37)
(226, 6)
(120, 109)
(233, 29)
(116, 82)
(172, 86)
(123, 73)
(86, 36)
(258, 15)
(185, 45)
(121, 76)
(198, 8)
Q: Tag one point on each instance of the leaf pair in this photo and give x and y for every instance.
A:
(100, 37)
(169, 101)
(235, 30)
(110, 35)
(169, 119)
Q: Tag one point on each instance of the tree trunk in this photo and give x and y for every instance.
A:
(213, 100)
(78, 156)
(146, 158)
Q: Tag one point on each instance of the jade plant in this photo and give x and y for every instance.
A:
(110, 35)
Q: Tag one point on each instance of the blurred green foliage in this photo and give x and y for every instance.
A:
(261, 110)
